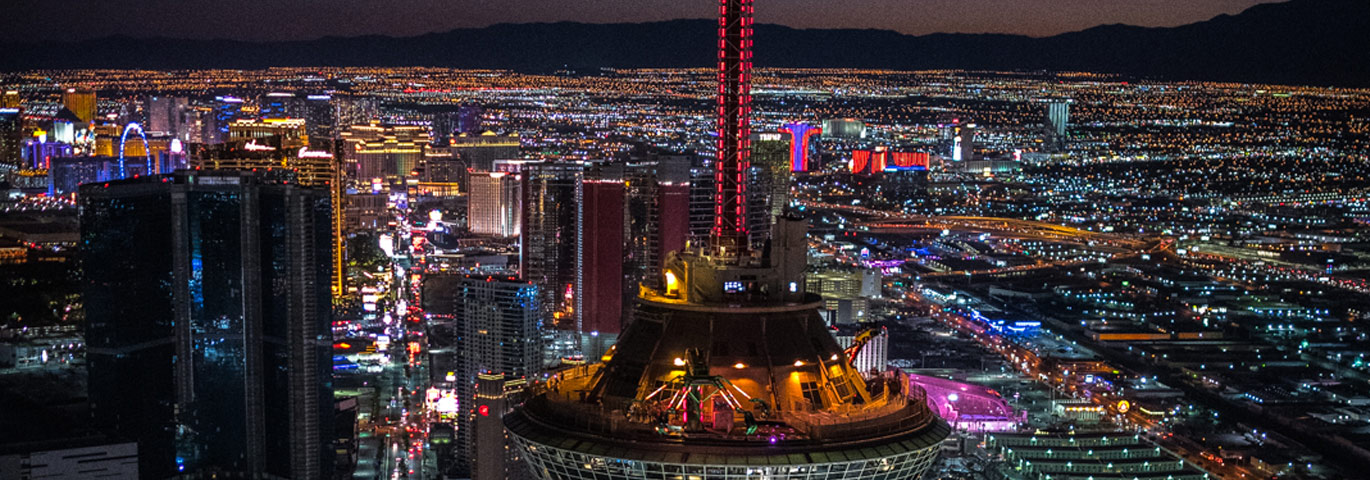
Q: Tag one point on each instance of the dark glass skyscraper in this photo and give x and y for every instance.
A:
(658, 219)
(468, 118)
(551, 195)
(279, 105)
(321, 118)
(771, 157)
(208, 305)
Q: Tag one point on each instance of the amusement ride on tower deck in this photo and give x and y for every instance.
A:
(728, 372)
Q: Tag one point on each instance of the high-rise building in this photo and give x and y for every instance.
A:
(441, 124)
(868, 162)
(10, 99)
(908, 160)
(81, 101)
(279, 105)
(494, 456)
(320, 118)
(964, 147)
(40, 152)
(728, 370)
(958, 138)
(355, 110)
(227, 108)
(658, 220)
(481, 151)
(771, 153)
(844, 129)
(881, 159)
(299, 164)
(443, 164)
(800, 135)
(756, 198)
(364, 211)
(68, 128)
(1058, 114)
(500, 323)
(66, 174)
(443, 172)
(166, 116)
(761, 181)
(600, 257)
(469, 118)
(310, 168)
(202, 125)
(495, 204)
(551, 203)
(389, 152)
(846, 295)
(80, 459)
(289, 133)
(207, 292)
(11, 138)
(701, 204)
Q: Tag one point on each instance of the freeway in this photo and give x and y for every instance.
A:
(878, 221)
(1114, 247)
(1227, 262)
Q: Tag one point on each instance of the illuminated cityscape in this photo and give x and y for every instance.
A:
(735, 269)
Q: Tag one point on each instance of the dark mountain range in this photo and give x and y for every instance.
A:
(1315, 42)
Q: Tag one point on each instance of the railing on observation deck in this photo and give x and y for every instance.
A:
(889, 412)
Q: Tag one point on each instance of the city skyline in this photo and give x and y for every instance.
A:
(394, 269)
(260, 20)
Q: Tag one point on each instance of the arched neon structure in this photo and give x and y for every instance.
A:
(123, 172)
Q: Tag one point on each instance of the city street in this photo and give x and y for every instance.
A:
(394, 442)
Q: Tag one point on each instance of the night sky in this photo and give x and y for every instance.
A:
(306, 19)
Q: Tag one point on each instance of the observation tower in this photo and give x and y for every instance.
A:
(728, 371)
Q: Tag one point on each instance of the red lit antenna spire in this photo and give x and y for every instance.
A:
(734, 126)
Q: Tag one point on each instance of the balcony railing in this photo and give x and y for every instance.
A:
(560, 402)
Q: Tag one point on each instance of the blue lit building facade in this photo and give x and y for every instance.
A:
(226, 110)
(209, 313)
(67, 174)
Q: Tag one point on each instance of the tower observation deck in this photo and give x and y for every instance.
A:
(728, 371)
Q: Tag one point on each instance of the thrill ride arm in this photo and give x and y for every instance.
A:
(860, 341)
